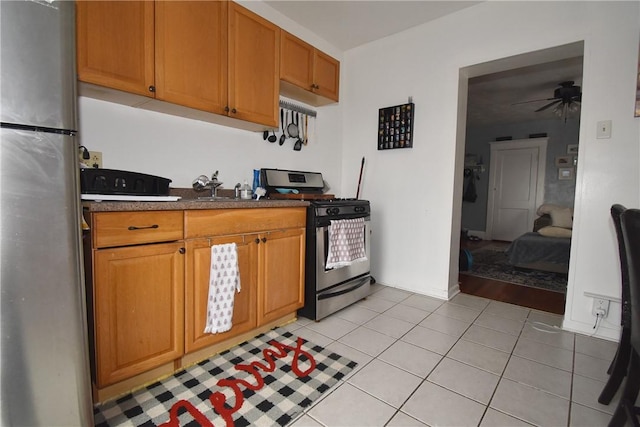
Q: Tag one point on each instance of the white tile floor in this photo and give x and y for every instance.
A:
(466, 362)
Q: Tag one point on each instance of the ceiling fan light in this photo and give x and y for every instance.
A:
(559, 110)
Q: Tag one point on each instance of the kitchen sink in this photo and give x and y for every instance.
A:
(212, 199)
(216, 199)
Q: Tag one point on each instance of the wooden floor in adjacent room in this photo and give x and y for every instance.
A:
(539, 299)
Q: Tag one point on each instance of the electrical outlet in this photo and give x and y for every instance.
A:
(95, 159)
(600, 307)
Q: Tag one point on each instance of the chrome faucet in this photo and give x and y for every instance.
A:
(214, 184)
(202, 182)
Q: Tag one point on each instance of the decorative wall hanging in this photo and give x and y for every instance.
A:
(395, 126)
(565, 173)
(572, 149)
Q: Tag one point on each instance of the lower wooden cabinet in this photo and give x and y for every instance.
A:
(271, 265)
(148, 300)
(138, 309)
(198, 263)
(281, 282)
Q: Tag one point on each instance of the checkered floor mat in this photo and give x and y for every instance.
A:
(266, 381)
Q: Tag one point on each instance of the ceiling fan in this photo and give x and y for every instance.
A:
(566, 98)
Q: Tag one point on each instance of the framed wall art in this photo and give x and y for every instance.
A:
(395, 126)
(565, 173)
(563, 161)
(572, 149)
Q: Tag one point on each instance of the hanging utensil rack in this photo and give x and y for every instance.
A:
(299, 108)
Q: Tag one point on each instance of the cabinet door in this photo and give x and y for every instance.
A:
(197, 292)
(254, 61)
(281, 289)
(115, 42)
(296, 61)
(326, 75)
(191, 54)
(139, 309)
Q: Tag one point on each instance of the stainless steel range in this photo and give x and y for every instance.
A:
(327, 290)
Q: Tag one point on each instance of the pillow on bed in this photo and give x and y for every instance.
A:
(562, 218)
(552, 231)
(547, 208)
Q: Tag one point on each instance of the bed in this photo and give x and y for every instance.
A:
(545, 252)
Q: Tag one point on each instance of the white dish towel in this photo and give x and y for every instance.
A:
(346, 242)
(224, 281)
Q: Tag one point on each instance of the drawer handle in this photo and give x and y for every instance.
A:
(133, 227)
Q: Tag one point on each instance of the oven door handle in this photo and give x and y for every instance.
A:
(359, 284)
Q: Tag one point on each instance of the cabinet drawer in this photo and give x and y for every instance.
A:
(219, 222)
(134, 228)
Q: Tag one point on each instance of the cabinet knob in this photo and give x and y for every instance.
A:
(181, 250)
(226, 109)
(257, 240)
(264, 239)
(152, 88)
(233, 111)
(315, 86)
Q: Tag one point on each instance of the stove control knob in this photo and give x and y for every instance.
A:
(333, 211)
(359, 209)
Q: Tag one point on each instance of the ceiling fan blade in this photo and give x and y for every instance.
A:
(548, 105)
(533, 100)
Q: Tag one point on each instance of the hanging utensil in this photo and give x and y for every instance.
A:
(282, 137)
(301, 136)
(299, 125)
(265, 134)
(305, 140)
(297, 146)
(273, 138)
(292, 128)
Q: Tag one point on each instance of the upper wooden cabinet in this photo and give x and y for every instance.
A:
(213, 56)
(254, 63)
(115, 42)
(191, 54)
(307, 73)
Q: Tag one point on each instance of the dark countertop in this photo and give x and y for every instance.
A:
(186, 204)
(190, 201)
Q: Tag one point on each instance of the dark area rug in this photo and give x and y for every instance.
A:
(265, 381)
(491, 262)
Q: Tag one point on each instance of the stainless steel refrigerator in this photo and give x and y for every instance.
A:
(45, 378)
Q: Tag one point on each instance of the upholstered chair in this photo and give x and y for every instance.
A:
(627, 413)
(618, 368)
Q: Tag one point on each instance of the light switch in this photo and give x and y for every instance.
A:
(604, 129)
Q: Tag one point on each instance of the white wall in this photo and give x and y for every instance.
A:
(181, 149)
(415, 193)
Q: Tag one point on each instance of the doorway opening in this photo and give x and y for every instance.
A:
(506, 100)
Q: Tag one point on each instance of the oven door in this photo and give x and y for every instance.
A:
(327, 278)
(343, 295)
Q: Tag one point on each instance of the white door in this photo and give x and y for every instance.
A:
(516, 187)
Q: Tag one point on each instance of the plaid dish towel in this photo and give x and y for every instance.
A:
(224, 281)
(346, 242)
